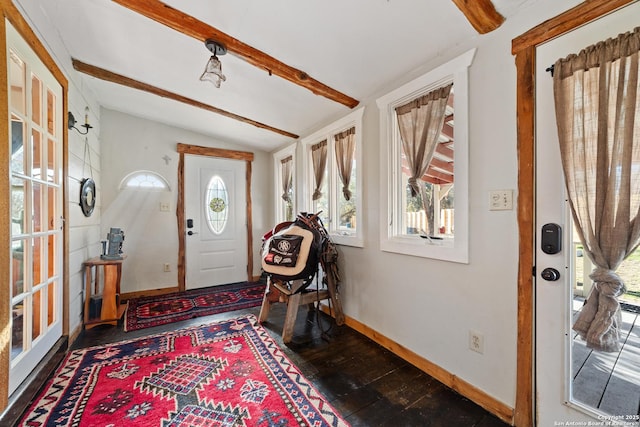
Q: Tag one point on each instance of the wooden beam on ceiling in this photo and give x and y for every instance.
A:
(444, 150)
(110, 76)
(434, 177)
(481, 14)
(442, 165)
(190, 26)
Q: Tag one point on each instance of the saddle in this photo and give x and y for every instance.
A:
(293, 250)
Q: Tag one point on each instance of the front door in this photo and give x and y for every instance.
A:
(35, 120)
(215, 211)
(555, 351)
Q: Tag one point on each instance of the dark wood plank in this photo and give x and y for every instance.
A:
(182, 227)
(525, 65)
(214, 152)
(365, 382)
(581, 14)
(249, 217)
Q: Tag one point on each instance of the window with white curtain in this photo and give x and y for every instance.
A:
(333, 177)
(432, 222)
(284, 166)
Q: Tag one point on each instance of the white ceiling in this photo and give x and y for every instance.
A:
(354, 46)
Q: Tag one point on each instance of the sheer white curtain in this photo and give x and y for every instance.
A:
(287, 180)
(319, 158)
(345, 150)
(420, 122)
(598, 116)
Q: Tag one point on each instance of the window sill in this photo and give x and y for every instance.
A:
(443, 250)
(356, 242)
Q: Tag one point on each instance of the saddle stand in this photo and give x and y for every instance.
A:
(277, 291)
(292, 288)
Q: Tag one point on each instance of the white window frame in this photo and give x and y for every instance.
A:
(124, 184)
(353, 119)
(456, 249)
(277, 179)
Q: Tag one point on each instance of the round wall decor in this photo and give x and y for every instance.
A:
(87, 196)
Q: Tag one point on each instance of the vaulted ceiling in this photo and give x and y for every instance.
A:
(290, 67)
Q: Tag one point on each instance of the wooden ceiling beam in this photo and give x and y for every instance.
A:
(192, 27)
(584, 12)
(445, 151)
(447, 130)
(481, 14)
(435, 177)
(442, 165)
(110, 76)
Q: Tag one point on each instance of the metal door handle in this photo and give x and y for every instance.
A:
(550, 274)
(191, 233)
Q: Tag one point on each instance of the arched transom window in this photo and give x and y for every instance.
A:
(144, 180)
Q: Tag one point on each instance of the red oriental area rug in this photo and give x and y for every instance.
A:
(230, 373)
(146, 312)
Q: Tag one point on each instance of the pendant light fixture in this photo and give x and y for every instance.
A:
(213, 69)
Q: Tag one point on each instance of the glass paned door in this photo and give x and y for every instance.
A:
(574, 383)
(36, 140)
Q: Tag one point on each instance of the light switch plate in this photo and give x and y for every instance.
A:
(501, 200)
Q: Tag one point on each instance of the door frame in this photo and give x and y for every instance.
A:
(180, 213)
(12, 14)
(524, 49)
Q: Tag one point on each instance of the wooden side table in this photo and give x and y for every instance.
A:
(111, 310)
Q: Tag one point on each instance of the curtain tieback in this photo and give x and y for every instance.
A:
(346, 192)
(317, 194)
(415, 188)
(605, 277)
(286, 197)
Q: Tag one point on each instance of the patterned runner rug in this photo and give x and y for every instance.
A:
(146, 312)
(230, 373)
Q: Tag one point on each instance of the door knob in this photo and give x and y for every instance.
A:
(550, 274)
(191, 233)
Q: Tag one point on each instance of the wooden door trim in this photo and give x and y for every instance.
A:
(524, 49)
(12, 14)
(180, 214)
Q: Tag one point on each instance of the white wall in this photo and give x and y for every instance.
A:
(425, 305)
(430, 306)
(84, 233)
(151, 236)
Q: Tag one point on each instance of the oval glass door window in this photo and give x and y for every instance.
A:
(217, 204)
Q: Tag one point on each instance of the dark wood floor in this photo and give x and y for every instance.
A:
(368, 385)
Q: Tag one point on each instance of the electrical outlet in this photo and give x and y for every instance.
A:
(476, 342)
(164, 207)
(167, 267)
